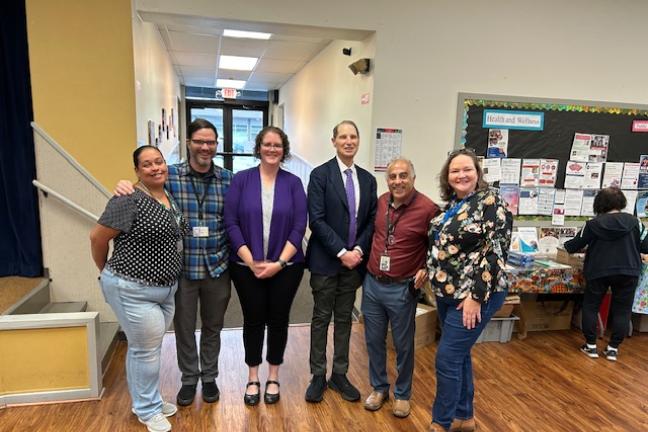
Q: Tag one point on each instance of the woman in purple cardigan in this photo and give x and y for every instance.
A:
(265, 219)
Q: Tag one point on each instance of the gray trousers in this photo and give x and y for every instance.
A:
(214, 296)
(333, 296)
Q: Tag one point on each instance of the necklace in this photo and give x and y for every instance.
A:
(141, 186)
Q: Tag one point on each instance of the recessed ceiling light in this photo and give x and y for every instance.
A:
(229, 83)
(237, 63)
(246, 34)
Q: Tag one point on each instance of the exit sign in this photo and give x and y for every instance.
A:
(229, 93)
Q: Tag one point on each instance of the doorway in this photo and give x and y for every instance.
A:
(238, 122)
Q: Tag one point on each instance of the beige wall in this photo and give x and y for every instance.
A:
(322, 94)
(156, 85)
(429, 50)
(81, 62)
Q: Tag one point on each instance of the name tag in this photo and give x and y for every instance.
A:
(384, 263)
(201, 231)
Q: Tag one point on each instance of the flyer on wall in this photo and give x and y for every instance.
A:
(511, 196)
(630, 175)
(388, 147)
(497, 143)
(511, 171)
(612, 174)
(631, 199)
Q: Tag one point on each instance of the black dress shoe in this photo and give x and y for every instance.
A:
(252, 399)
(315, 390)
(210, 392)
(186, 394)
(341, 384)
(271, 398)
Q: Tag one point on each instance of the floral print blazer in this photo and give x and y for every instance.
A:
(469, 243)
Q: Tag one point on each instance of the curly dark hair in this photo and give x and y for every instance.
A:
(446, 190)
(284, 141)
(609, 199)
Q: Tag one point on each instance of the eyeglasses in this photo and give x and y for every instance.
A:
(462, 151)
(210, 143)
(273, 146)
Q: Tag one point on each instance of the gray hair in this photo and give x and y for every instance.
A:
(404, 160)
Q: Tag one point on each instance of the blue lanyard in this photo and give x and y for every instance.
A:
(450, 213)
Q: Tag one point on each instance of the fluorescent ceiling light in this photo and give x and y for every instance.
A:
(237, 63)
(246, 34)
(224, 83)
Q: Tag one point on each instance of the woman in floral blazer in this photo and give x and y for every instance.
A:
(469, 242)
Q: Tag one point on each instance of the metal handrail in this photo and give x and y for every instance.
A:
(65, 200)
(73, 162)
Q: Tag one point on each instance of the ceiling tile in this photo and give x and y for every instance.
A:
(233, 74)
(243, 47)
(191, 42)
(279, 66)
(184, 58)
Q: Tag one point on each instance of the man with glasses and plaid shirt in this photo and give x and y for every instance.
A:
(199, 187)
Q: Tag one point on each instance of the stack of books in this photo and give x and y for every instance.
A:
(520, 259)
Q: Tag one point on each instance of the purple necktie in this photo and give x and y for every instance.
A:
(350, 193)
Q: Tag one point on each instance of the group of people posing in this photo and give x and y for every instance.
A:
(184, 232)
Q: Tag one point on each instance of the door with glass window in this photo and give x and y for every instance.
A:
(237, 125)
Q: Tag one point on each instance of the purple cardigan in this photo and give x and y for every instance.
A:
(244, 217)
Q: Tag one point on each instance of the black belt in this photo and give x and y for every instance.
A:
(390, 280)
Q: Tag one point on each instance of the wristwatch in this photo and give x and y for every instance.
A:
(282, 263)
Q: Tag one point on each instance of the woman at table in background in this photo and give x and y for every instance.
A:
(141, 277)
(265, 219)
(614, 242)
(469, 242)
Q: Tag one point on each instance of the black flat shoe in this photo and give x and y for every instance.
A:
(271, 398)
(252, 399)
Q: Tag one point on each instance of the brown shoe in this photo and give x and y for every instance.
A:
(376, 400)
(401, 408)
(467, 425)
(436, 427)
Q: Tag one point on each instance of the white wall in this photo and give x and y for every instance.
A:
(322, 94)
(156, 86)
(429, 50)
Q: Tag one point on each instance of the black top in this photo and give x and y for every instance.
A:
(469, 243)
(149, 248)
(613, 242)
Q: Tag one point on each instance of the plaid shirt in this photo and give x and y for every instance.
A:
(203, 256)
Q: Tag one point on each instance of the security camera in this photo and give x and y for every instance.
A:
(360, 66)
(346, 51)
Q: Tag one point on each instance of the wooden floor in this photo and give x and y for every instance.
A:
(542, 383)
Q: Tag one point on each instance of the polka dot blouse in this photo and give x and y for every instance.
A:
(149, 248)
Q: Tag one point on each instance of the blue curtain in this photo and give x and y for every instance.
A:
(20, 244)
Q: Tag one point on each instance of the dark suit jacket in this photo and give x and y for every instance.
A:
(329, 217)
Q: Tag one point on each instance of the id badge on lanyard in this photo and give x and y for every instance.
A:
(385, 262)
(202, 230)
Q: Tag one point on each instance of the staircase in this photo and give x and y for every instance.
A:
(77, 347)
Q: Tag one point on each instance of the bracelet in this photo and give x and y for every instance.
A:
(282, 263)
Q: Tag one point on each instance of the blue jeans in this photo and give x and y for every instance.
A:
(144, 313)
(383, 304)
(455, 390)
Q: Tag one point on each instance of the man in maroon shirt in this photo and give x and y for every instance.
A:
(396, 269)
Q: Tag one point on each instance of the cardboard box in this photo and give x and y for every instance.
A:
(640, 322)
(426, 322)
(547, 315)
(574, 260)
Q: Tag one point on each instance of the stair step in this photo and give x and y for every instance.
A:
(65, 307)
(107, 341)
(31, 301)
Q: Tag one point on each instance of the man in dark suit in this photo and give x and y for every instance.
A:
(341, 210)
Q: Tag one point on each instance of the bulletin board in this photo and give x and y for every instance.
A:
(562, 119)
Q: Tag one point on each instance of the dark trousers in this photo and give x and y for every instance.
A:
(383, 305)
(266, 302)
(623, 289)
(454, 377)
(332, 296)
(214, 296)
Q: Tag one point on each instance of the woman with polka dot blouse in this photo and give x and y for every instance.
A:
(140, 278)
